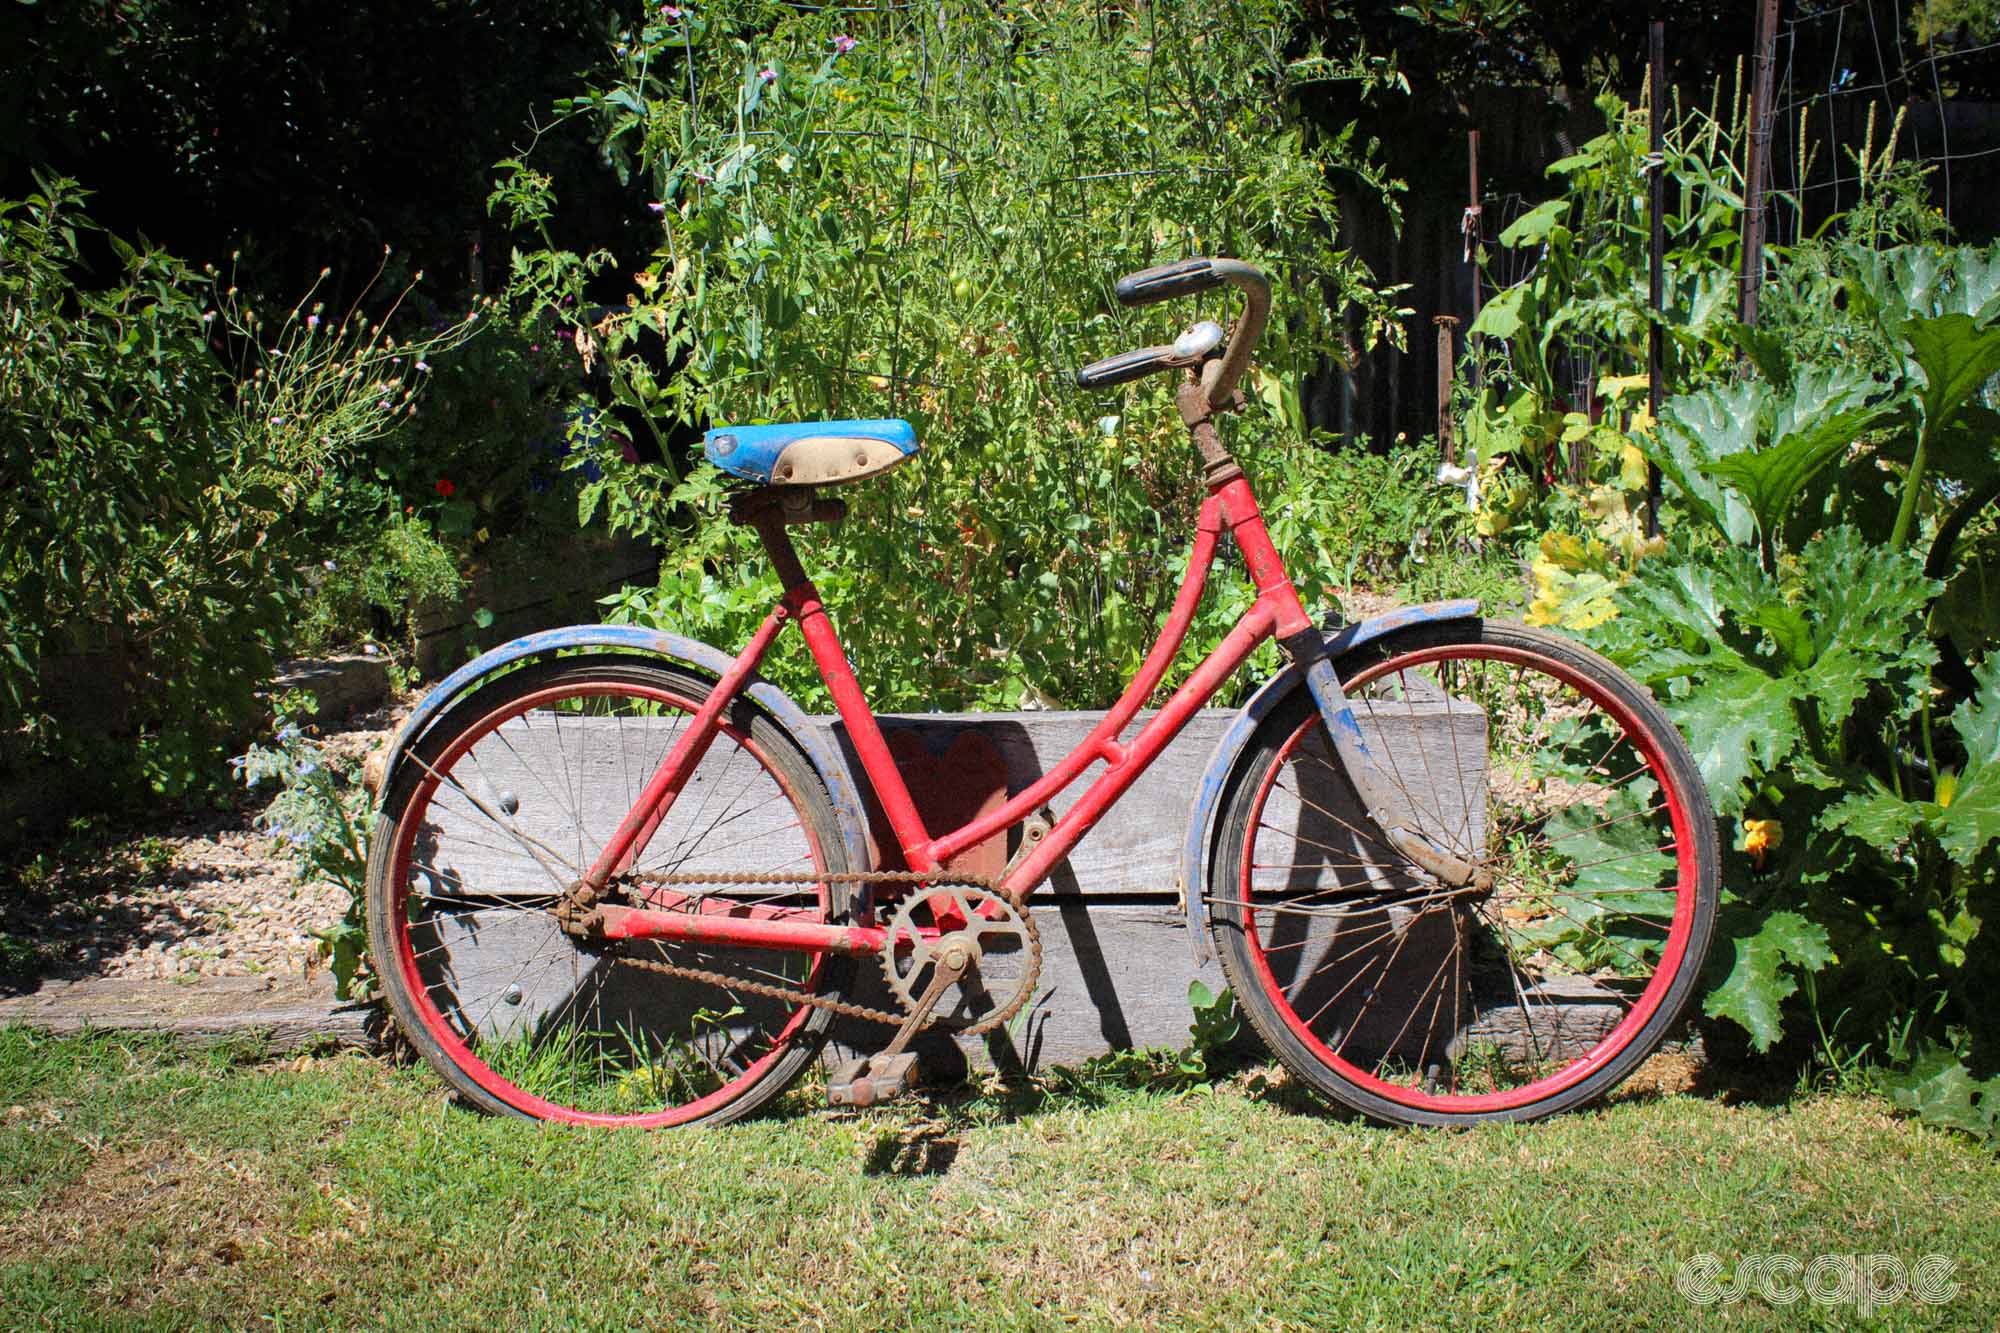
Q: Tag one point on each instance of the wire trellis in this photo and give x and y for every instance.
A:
(1862, 89)
(1863, 83)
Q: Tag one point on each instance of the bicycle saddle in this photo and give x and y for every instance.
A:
(810, 453)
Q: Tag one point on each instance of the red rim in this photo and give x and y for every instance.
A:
(440, 1028)
(1673, 950)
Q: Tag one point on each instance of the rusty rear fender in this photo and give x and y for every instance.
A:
(706, 661)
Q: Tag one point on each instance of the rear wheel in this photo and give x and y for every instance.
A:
(1535, 988)
(503, 804)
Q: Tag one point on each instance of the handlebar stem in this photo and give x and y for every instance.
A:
(1219, 378)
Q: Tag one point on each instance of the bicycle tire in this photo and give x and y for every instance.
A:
(1312, 920)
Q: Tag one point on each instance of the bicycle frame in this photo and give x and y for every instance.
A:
(1277, 611)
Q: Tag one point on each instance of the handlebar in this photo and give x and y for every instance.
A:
(1190, 349)
(1163, 282)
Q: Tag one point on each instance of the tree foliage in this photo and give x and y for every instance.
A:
(920, 213)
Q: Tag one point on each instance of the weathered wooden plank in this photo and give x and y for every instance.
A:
(283, 1013)
(1116, 961)
(1435, 746)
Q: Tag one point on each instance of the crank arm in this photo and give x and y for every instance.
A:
(889, 1072)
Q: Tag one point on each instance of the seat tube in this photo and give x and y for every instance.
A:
(862, 730)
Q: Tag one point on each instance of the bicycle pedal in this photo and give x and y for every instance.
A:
(872, 1079)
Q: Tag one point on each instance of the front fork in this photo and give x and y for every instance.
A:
(1382, 797)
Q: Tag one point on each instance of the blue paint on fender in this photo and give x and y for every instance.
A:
(817, 741)
(1229, 751)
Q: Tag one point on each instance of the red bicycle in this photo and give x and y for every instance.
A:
(1456, 869)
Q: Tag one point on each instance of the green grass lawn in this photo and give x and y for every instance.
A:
(144, 1185)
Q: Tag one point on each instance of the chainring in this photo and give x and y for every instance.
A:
(1000, 936)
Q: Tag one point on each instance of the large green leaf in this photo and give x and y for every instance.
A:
(1895, 284)
(1967, 818)
(1978, 290)
(1879, 818)
(1695, 430)
(1534, 226)
(1919, 281)
(1760, 974)
(1942, 1091)
(1739, 722)
(1971, 819)
(1814, 423)
(1866, 605)
(1501, 317)
(1954, 357)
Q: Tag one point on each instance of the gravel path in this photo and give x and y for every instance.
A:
(209, 897)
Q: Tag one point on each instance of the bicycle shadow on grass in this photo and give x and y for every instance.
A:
(921, 1133)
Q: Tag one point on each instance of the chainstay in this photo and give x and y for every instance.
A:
(769, 992)
(844, 1007)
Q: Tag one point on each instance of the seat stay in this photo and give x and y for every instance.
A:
(628, 842)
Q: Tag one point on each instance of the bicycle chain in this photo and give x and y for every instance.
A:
(843, 1007)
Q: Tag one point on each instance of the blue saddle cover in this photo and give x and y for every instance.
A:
(810, 452)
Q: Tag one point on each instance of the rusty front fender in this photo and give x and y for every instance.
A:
(1233, 748)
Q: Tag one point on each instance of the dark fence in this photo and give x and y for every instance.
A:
(1849, 77)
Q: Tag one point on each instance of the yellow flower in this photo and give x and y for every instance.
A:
(1761, 836)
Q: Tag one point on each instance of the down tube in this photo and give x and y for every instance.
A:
(1155, 736)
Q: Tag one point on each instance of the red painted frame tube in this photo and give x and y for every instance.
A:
(1102, 742)
(862, 729)
(1260, 557)
(1079, 819)
(743, 932)
(630, 839)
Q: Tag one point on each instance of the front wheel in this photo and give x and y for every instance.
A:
(1531, 990)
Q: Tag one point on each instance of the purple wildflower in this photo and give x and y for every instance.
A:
(768, 75)
(842, 43)
(657, 206)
